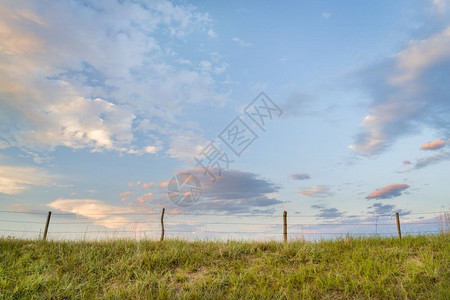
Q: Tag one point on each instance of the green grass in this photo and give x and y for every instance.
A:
(366, 268)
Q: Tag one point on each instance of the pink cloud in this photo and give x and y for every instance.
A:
(146, 186)
(406, 162)
(144, 198)
(437, 144)
(163, 184)
(125, 196)
(317, 191)
(389, 191)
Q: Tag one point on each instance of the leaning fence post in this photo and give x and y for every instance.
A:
(397, 217)
(162, 224)
(46, 225)
(285, 226)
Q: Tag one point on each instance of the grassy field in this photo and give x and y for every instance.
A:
(375, 268)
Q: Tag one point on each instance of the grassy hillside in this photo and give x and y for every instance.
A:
(378, 268)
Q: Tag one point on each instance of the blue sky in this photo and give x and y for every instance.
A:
(102, 104)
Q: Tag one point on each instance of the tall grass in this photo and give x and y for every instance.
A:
(376, 268)
(444, 223)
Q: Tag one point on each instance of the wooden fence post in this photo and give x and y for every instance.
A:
(162, 224)
(285, 226)
(46, 225)
(397, 217)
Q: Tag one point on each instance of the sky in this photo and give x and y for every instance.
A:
(332, 111)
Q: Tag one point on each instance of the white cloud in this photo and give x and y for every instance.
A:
(15, 180)
(241, 43)
(79, 76)
(440, 5)
(184, 145)
(212, 33)
(151, 149)
(97, 124)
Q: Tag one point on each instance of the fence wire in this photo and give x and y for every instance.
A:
(62, 225)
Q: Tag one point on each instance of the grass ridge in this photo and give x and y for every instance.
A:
(416, 267)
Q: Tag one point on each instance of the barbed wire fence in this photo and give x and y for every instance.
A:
(210, 226)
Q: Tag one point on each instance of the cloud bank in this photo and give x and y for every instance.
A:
(234, 192)
(408, 92)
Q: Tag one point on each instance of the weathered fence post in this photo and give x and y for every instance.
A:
(285, 226)
(46, 225)
(397, 217)
(162, 224)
